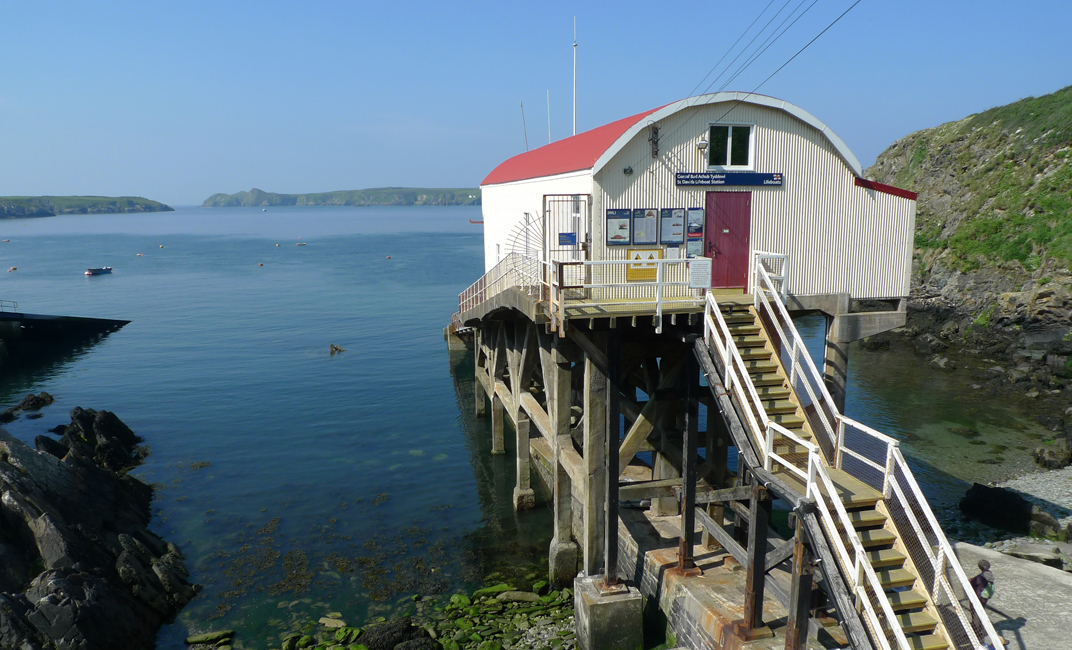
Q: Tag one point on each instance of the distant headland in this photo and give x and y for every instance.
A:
(372, 196)
(14, 207)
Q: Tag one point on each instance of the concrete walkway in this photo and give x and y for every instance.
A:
(1032, 603)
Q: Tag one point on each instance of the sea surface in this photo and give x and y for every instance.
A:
(298, 482)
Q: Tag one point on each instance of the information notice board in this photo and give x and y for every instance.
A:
(700, 273)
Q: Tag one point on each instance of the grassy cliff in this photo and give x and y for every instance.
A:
(374, 196)
(12, 207)
(994, 187)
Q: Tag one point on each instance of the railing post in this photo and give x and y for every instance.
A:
(810, 491)
(839, 443)
(659, 297)
(768, 448)
(886, 489)
(793, 362)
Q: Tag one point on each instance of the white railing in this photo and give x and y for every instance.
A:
(611, 286)
(777, 267)
(861, 577)
(804, 377)
(860, 451)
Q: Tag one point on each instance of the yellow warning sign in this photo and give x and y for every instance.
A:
(642, 272)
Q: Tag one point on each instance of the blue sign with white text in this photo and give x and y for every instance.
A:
(728, 178)
(567, 239)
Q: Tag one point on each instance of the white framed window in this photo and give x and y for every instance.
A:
(731, 146)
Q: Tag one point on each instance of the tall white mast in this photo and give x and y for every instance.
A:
(548, 117)
(575, 75)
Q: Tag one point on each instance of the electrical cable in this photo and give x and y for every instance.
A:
(779, 69)
(711, 71)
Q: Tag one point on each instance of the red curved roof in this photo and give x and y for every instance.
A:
(572, 154)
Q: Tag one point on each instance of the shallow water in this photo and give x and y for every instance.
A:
(297, 482)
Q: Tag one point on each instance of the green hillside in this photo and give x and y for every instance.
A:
(373, 196)
(994, 187)
(12, 207)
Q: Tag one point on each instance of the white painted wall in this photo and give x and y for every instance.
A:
(839, 237)
(505, 204)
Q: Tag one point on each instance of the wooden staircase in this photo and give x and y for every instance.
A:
(913, 611)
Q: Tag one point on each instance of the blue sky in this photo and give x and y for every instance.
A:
(178, 100)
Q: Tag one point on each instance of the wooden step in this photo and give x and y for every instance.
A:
(744, 329)
(754, 354)
(876, 537)
(778, 406)
(891, 578)
(885, 558)
(768, 379)
(916, 622)
(749, 341)
(902, 600)
(772, 392)
(760, 366)
(927, 642)
(787, 420)
(867, 518)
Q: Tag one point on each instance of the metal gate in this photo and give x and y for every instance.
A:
(565, 227)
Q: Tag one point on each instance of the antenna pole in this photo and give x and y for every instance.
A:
(524, 126)
(548, 117)
(575, 75)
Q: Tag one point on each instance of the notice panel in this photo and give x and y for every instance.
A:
(618, 227)
(700, 273)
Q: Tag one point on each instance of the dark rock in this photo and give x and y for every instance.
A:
(422, 643)
(14, 568)
(1054, 456)
(33, 402)
(1043, 523)
(7, 416)
(50, 446)
(928, 344)
(108, 581)
(997, 507)
(386, 636)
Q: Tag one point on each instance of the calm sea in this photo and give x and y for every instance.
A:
(297, 482)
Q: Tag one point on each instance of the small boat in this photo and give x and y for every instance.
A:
(101, 271)
(301, 243)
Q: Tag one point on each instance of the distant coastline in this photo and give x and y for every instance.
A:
(14, 207)
(367, 197)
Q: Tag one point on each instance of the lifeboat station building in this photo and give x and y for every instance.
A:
(635, 321)
(725, 179)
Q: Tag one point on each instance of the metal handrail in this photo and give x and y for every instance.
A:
(860, 574)
(546, 281)
(5, 305)
(800, 360)
(904, 493)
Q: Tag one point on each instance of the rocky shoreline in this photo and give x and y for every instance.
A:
(79, 567)
(496, 617)
(1005, 361)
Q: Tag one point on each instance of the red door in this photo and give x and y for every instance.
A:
(728, 219)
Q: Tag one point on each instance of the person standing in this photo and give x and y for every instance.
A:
(983, 584)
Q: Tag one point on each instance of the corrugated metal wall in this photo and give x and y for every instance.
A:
(839, 237)
(504, 206)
